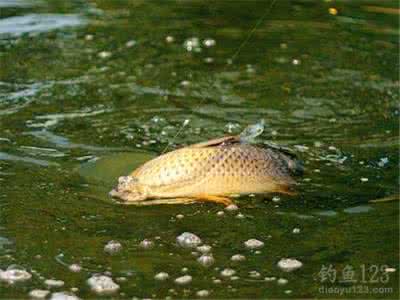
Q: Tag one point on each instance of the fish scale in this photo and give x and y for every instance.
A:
(210, 171)
(231, 167)
(179, 165)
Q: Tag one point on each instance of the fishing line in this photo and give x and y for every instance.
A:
(245, 41)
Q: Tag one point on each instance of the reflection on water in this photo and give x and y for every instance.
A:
(102, 174)
(358, 209)
(90, 90)
(18, 3)
(40, 162)
(36, 23)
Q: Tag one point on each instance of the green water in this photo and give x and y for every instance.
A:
(88, 90)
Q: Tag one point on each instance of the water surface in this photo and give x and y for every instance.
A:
(88, 90)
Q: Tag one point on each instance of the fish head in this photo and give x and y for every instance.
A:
(129, 189)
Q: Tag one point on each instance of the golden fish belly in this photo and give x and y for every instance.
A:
(222, 170)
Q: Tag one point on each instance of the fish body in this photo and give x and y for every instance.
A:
(213, 169)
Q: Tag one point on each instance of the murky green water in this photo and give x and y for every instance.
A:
(88, 90)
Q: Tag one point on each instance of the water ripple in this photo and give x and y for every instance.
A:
(37, 23)
(40, 162)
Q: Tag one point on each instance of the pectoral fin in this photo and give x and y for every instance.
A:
(227, 140)
(160, 201)
(216, 199)
(285, 189)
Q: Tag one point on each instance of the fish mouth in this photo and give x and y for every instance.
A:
(125, 198)
(121, 191)
(118, 195)
(128, 190)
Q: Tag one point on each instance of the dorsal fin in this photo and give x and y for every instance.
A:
(289, 152)
(226, 140)
(247, 136)
(251, 132)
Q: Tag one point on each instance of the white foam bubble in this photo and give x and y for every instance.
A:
(240, 216)
(186, 279)
(14, 274)
(101, 284)
(39, 294)
(188, 240)
(238, 257)
(146, 244)
(206, 260)
(254, 274)
(204, 248)
(282, 281)
(228, 272)
(130, 44)
(217, 281)
(192, 44)
(253, 244)
(209, 42)
(202, 293)
(112, 247)
(104, 54)
(75, 268)
(231, 207)
(161, 276)
(53, 283)
(63, 296)
(272, 278)
(289, 264)
(169, 39)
